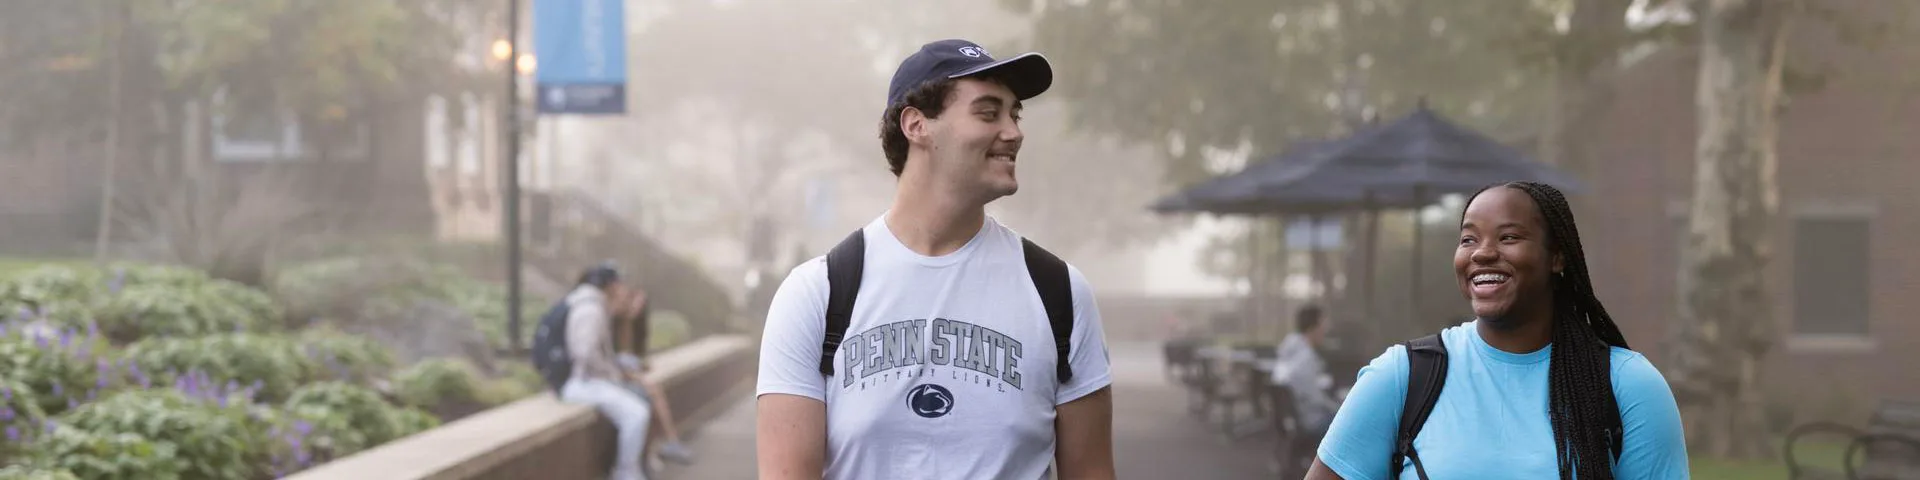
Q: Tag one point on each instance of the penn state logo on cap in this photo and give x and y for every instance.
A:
(1027, 74)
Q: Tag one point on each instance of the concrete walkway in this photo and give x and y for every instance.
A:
(1153, 436)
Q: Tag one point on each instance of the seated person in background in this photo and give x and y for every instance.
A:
(585, 370)
(635, 326)
(1300, 368)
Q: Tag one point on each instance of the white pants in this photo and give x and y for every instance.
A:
(629, 413)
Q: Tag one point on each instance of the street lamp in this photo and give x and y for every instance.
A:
(510, 182)
(502, 49)
(526, 64)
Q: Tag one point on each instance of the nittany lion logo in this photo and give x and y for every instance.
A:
(975, 52)
(930, 401)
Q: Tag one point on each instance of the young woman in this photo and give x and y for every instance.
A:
(1532, 384)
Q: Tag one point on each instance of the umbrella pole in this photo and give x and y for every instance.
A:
(1313, 260)
(1367, 257)
(1413, 314)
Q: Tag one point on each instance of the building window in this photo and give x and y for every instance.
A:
(249, 134)
(1831, 275)
(242, 134)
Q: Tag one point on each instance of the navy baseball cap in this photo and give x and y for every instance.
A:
(1027, 74)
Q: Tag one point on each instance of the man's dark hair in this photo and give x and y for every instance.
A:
(931, 99)
(1580, 390)
(1307, 318)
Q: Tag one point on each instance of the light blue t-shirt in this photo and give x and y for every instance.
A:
(1491, 420)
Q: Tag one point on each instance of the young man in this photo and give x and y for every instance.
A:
(597, 378)
(948, 368)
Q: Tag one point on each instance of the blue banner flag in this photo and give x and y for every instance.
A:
(581, 47)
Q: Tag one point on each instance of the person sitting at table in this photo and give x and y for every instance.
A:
(1299, 367)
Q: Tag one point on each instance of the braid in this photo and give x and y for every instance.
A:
(1580, 386)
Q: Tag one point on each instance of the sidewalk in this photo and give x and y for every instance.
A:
(1153, 436)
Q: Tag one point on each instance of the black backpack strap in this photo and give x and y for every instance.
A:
(1426, 375)
(1615, 431)
(1049, 274)
(845, 263)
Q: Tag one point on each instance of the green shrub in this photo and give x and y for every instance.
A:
(73, 454)
(668, 329)
(347, 418)
(212, 441)
(55, 370)
(132, 301)
(374, 287)
(272, 366)
(22, 472)
(340, 356)
(143, 311)
(50, 285)
(441, 381)
(409, 421)
(517, 380)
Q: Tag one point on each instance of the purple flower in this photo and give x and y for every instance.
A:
(72, 404)
(93, 329)
(6, 393)
(50, 426)
(13, 433)
(40, 340)
(303, 427)
(66, 337)
(6, 413)
(56, 389)
(23, 313)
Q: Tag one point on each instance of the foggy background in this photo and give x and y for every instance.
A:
(245, 139)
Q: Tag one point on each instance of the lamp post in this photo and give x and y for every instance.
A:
(510, 173)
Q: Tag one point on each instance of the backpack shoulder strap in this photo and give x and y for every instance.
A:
(1050, 277)
(845, 263)
(1615, 431)
(1426, 375)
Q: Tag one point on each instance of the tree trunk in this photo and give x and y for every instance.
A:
(1729, 241)
(1596, 33)
(115, 17)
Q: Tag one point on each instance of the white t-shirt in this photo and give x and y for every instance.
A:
(948, 366)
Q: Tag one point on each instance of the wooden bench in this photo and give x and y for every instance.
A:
(1888, 448)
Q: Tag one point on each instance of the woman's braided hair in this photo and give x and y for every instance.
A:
(1580, 387)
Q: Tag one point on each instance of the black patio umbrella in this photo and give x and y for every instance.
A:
(1246, 193)
(1406, 163)
(1416, 158)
